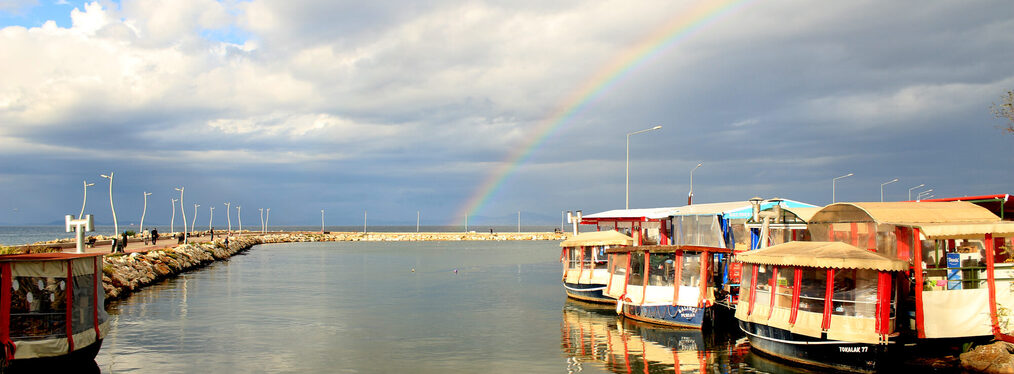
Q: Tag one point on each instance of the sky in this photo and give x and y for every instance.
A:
(490, 108)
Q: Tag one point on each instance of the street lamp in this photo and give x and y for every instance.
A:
(184, 213)
(627, 183)
(239, 209)
(322, 221)
(86, 185)
(267, 218)
(690, 198)
(910, 191)
(172, 221)
(228, 216)
(882, 188)
(143, 211)
(919, 195)
(116, 227)
(833, 182)
(212, 217)
(194, 220)
(262, 219)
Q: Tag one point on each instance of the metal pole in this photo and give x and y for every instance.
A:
(262, 219)
(239, 216)
(211, 217)
(364, 222)
(882, 188)
(86, 184)
(519, 221)
(910, 191)
(690, 198)
(417, 221)
(172, 221)
(116, 227)
(228, 216)
(267, 219)
(143, 211)
(835, 181)
(184, 213)
(627, 180)
(194, 220)
(322, 221)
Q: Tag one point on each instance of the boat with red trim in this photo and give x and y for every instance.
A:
(52, 310)
(585, 274)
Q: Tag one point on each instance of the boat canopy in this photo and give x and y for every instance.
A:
(905, 213)
(608, 237)
(821, 255)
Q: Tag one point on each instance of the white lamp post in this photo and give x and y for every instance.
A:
(690, 198)
(262, 219)
(228, 216)
(194, 220)
(116, 227)
(86, 185)
(172, 221)
(910, 190)
(920, 195)
(417, 221)
(212, 217)
(267, 218)
(627, 182)
(833, 182)
(239, 210)
(322, 221)
(364, 222)
(184, 213)
(882, 188)
(143, 211)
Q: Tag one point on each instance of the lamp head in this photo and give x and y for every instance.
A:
(849, 175)
(893, 180)
(147, 194)
(89, 184)
(659, 127)
(105, 176)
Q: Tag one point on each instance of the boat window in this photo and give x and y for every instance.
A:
(587, 257)
(704, 231)
(763, 299)
(691, 273)
(600, 254)
(784, 283)
(636, 276)
(84, 286)
(661, 269)
(619, 264)
(744, 296)
(574, 258)
(855, 293)
(38, 308)
(813, 289)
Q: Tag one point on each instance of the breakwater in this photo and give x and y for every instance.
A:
(124, 273)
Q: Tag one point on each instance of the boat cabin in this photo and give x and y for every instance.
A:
(584, 259)
(822, 303)
(956, 256)
(53, 308)
(646, 226)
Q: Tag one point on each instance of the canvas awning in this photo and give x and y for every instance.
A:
(821, 255)
(608, 237)
(967, 230)
(905, 212)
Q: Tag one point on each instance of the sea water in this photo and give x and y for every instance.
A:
(383, 307)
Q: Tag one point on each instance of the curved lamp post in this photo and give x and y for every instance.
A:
(143, 211)
(194, 220)
(690, 198)
(322, 221)
(920, 195)
(833, 182)
(184, 213)
(910, 191)
(86, 185)
(116, 227)
(262, 219)
(211, 217)
(239, 209)
(228, 216)
(267, 218)
(627, 182)
(882, 188)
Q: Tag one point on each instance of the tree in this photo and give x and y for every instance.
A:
(1005, 111)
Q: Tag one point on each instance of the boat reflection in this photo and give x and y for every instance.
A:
(593, 334)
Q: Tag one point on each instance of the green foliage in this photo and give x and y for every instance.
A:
(130, 232)
(1005, 111)
(29, 249)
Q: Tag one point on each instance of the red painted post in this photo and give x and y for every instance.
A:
(917, 263)
(828, 294)
(991, 284)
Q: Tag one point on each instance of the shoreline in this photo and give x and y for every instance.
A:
(124, 273)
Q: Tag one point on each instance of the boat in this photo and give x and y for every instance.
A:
(824, 304)
(585, 274)
(53, 310)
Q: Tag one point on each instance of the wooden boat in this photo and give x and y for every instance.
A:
(584, 264)
(52, 309)
(826, 304)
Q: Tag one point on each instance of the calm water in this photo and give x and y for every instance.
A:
(359, 308)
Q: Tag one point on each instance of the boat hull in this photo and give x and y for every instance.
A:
(668, 315)
(594, 293)
(839, 355)
(79, 361)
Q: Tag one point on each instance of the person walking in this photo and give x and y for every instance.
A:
(123, 245)
(154, 236)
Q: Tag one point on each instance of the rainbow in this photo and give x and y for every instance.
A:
(676, 29)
